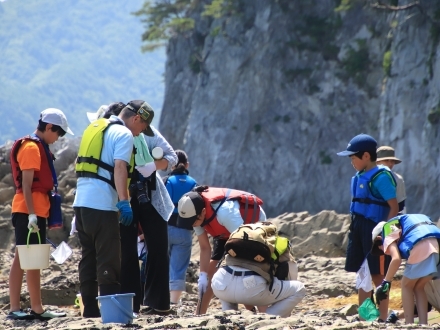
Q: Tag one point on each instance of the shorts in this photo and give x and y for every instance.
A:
(219, 249)
(423, 268)
(20, 222)
(359, 247)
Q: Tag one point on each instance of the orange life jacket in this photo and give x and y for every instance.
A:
(249, 208)
(43, 181)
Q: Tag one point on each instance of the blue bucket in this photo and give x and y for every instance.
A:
(117, 308)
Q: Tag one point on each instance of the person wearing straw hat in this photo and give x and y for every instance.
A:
(34, 177)
(386, 156)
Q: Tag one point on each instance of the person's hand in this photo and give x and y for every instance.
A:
(126, 214)
(382, 291)
(202, 283)
(147, 169)
(32, 225)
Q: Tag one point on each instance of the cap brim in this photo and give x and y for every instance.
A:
(347, 153)
(148, 131)
(397, 160)
(190, 220)
(92, 116)
(69, 131)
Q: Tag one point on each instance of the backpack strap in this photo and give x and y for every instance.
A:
(207, 221)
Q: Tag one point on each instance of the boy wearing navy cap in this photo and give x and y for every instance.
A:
(373, 191)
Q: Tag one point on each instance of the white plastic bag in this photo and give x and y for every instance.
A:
(363, 278)
(62, 253)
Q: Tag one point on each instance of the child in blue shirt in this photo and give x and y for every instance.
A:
(374, 200)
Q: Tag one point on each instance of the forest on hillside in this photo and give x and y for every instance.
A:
(73, 55)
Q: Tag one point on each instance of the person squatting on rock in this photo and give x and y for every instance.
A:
(101, 193)
(217, 212)
(412, 237)
(33, 173)
(386, 156)
(152, 207)
(258, 270)
(373, 191)
(178, 182)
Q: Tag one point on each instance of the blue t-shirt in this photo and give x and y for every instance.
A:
(384, 186)
(95, 193)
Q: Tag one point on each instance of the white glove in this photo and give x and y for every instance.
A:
(73, 227)
(33, 223)
(202, 283)
(147, 169)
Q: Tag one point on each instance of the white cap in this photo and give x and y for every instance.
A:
(377, 230)
(55, 117)
(92, 116)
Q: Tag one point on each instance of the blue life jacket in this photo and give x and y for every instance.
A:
(364, 203)
(178, 185)
(415, 227)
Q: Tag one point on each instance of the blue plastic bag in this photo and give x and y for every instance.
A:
(55, 220)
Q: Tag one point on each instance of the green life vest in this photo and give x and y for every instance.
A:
(89, 154)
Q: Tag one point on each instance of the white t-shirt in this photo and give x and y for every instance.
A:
(95, 193)
(229, 216)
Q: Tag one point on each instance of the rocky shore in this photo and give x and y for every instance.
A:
(318, 242)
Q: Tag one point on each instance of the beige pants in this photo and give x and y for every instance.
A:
(254, 290)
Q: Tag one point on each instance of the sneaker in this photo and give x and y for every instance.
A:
(19, 315)
(47, 315)
(392, 318)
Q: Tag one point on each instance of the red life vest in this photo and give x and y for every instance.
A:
(249, 208)
(43, 181)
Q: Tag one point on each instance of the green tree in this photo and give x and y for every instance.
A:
(164, 19)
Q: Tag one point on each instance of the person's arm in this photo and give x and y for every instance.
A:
(205, 252)
(27, 179)
(161, 164)
(394, 208)
(121, 176)
(169, 156)
(393, 251)
(228, 215)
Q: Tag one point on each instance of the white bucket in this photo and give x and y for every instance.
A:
(34, 256)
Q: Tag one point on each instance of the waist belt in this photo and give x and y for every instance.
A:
(240, 273)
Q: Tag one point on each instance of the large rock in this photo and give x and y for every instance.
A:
(323, 234)
(6, 194)
(265, 98)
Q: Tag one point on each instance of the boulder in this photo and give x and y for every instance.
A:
(6, 194)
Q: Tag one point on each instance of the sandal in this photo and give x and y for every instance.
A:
(47, 315)
(19, 315)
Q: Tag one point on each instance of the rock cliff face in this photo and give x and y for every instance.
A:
(263, 98)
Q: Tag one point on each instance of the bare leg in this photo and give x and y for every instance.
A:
(383, 306)
(408, 299)
(175, 296)
(33, 284)
(15, 283)
(262, 309)
(421, 299)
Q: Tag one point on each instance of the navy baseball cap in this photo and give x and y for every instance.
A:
(361, 142)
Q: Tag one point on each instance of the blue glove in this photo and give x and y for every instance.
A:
(126, 214)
